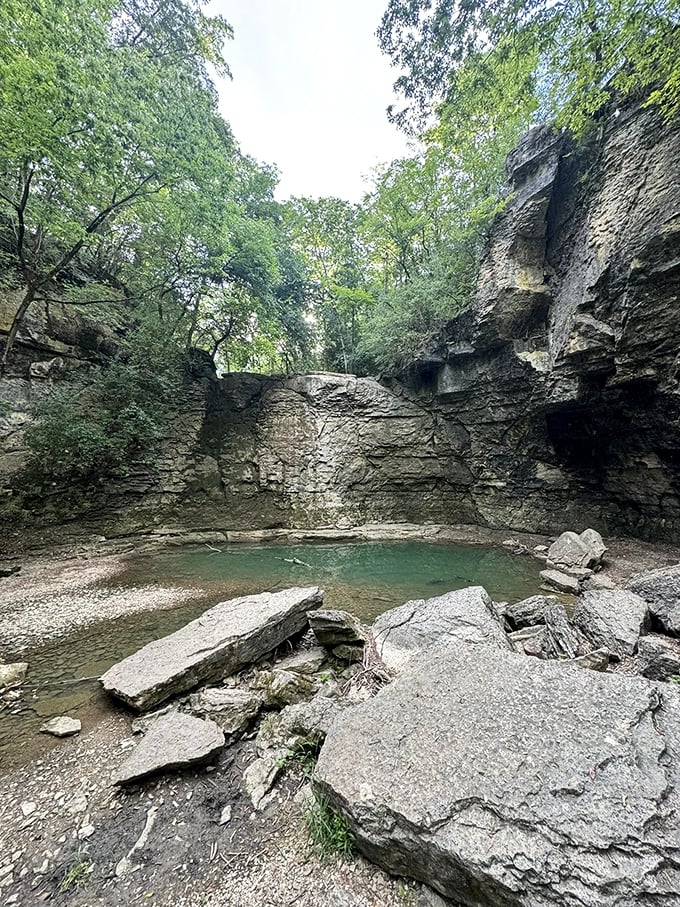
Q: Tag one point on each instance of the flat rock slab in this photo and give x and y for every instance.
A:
(512, 782)
(466, 615)
(560, 582)
(173, 741)
(220, 642)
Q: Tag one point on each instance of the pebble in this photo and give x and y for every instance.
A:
(61, 726)
(27, 808)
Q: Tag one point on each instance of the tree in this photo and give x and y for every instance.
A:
(327, 233)
(583, 53)
(104, 106)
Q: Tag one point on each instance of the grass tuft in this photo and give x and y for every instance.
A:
(75, 874)
(329, 834)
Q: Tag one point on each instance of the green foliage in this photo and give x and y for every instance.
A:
(121, 184)
(109, 419)
(329, 834)
(571, 58)
(76, 873)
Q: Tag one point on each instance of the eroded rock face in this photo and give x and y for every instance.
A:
(511, 782)
(452, 620)
(551, 403)
(219, 642)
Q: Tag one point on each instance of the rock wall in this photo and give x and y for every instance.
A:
(551, 403)
(565, 372)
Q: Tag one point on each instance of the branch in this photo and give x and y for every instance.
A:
(94, 225)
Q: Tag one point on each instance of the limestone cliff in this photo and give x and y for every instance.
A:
(552, 403)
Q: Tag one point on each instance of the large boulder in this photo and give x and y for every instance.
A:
(612, 618)
(582, 551)
(174, 740)
(221, 641)
(661, 590)
(466, 615)
(513, 782)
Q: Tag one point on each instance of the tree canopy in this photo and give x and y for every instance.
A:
(567, 57)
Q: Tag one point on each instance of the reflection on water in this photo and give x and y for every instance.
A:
(364, 578)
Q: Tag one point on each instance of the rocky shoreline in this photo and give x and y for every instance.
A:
(459, 682)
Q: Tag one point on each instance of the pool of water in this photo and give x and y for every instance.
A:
(364, 578)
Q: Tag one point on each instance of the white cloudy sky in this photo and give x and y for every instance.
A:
(309, 92)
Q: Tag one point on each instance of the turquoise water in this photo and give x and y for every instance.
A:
(364, 578)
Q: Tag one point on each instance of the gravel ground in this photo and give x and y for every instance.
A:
(49, 598)
(64, 830)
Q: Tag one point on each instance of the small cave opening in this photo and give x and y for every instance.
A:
(581, 439)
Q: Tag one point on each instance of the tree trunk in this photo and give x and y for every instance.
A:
(17, 321)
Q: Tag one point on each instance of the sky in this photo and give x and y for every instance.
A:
(310, 91)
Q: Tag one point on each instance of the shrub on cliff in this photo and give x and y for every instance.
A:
(108, 420)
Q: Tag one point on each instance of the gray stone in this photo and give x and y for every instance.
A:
(221, 641)
(173, 741)
(334, 628)
(232, 710)
(529, 611)
(305, 722)
(260, 776)
(281, 688)
(659, 657)
(570, 550)
(533, 636)
(599, 581)
(597, 660)
(595, 543)
(661, 590)
(13, 673)
(349, 654)
(579, 573)
(308, 661)
(466, 615)
(61, 726)
(613, 619)
(555, 638)
(511, 782)
(560, 582)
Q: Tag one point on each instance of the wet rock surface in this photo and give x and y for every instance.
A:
(560, 788)
(225, 638)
